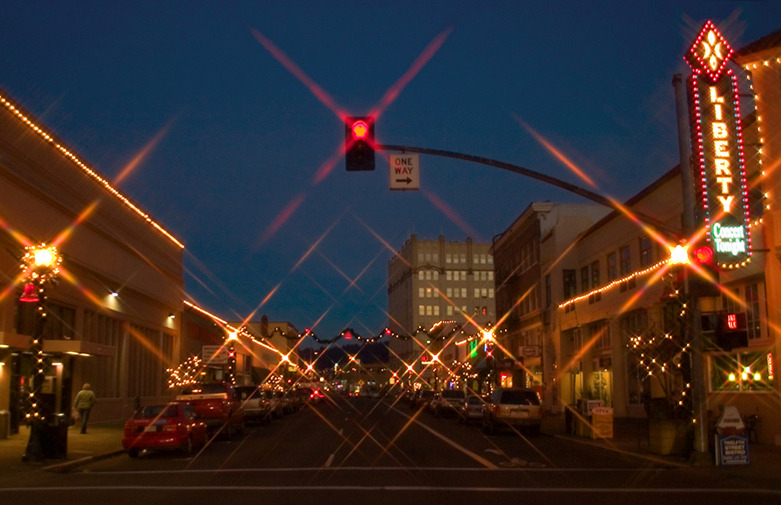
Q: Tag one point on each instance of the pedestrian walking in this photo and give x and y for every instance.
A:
(85, 399)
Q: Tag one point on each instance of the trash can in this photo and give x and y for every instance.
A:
(55, 436)
(5, 423)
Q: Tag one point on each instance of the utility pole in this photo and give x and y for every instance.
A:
(692, 324)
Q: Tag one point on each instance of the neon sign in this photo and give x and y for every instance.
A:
(717, 138)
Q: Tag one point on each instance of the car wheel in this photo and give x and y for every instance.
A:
(132, 452)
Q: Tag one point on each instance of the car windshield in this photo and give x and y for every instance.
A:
(158, 411)
(245, 392)
(202, 389)
(452, 394)
(519, 397)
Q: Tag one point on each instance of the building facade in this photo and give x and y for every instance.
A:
(526, 261)
(431, 281)
(113, 318)
(761, 60)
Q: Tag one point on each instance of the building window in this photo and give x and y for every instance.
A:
(548, 294)
(595, 282)
(752, 312)
(584, 279)
(745, 371)
(449, 275)
(646, 251)
(421, 292)
(570, 284)
(490, 292)
(449, 310)
(626, 267)
(612, 267)
(463, 293)
(421, 310)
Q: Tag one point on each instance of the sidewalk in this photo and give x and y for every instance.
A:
(101, 440)
(630, 436)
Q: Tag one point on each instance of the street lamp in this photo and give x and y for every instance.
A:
(40, 266)
(233, 337)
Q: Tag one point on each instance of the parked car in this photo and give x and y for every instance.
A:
(254, 404)
(470, 410)
(174, 425)
(274, 403)
(217, 404)
(423, 398)
(512, 407)
(447, 402)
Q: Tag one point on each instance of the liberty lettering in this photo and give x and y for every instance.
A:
(721, 145)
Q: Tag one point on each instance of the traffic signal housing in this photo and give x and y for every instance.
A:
(704, 274)
(359, 144)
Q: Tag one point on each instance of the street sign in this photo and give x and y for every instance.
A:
(214, 354)
(404, 171)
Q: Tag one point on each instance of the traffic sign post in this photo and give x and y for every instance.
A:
(404, 171)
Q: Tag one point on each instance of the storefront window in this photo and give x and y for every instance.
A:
(745, 371)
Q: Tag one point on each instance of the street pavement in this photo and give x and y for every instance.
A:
(103, 440)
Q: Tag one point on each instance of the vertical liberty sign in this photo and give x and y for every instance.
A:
(717, 139)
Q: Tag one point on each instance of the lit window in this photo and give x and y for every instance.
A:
(748, 371)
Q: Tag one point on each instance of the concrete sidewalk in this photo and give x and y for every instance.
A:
(630, 436)
(101, 440)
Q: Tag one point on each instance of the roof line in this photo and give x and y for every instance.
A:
(49, 137)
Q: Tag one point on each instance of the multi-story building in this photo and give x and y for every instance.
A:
(762, 62)
(430, 281)
(527, 263)
(113, 318)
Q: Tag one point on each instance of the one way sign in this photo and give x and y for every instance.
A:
(404, 171)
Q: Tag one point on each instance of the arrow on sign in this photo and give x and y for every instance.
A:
(407, 180)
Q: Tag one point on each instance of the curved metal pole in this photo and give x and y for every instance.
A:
(594, 197)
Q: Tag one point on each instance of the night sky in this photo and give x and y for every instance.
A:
(228, 114)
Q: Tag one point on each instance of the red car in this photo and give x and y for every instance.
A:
(173, 425)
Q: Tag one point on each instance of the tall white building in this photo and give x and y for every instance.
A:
(430, 281)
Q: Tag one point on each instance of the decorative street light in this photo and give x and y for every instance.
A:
(233, 337)
(40, 266)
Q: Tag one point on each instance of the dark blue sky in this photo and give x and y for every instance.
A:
(238, 140)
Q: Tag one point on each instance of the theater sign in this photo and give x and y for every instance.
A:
(717, 140)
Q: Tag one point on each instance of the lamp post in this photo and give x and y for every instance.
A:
(233, 337)
(40, 266)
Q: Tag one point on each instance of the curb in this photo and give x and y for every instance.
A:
(69, 465)
(648, 457)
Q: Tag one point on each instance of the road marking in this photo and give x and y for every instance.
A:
(385, 488)
(329, 460)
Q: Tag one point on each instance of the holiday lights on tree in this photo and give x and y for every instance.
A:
(186, 374)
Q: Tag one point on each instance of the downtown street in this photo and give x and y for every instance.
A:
(368, 450)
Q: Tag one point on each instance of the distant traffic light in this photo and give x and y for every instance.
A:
(359, 143)
(704, 279)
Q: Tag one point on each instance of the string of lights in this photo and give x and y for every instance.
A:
(51, 139)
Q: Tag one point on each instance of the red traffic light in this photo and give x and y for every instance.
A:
(703, 255)
(360, 129)
(359, 143)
